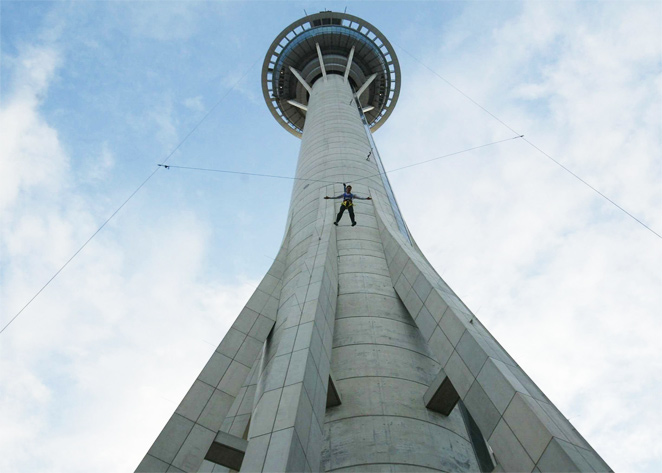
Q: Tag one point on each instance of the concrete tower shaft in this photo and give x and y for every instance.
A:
(353, 354)
(380, 361)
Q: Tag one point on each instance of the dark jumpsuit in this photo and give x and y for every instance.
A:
(347, 205)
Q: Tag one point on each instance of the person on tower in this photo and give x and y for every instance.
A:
(347, 204)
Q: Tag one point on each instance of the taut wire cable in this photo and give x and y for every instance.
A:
(441, 157)
(530, 143)
(226, 171)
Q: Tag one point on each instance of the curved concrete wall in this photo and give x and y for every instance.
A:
(380, 361)
(339, 299)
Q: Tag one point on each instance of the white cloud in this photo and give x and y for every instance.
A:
(195, 104)
(162, 117)
(30, 153)
(130, 310)
(101, 165)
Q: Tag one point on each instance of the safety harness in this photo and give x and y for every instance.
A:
(347, 200)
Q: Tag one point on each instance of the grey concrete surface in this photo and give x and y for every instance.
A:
(364, 303)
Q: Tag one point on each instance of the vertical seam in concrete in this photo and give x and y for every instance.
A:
(271, 432)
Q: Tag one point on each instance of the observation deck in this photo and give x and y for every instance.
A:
(330, 43)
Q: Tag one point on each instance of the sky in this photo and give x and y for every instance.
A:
(95, 94)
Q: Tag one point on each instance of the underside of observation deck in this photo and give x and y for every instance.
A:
(330, 43)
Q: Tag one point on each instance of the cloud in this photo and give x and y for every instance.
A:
(100, 166)
(131, 309)
(31, 154)
(195, 104)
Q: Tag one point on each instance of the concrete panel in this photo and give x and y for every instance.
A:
(401, 286)
(151, 464)
(310, 378)
(315, 442)
(257, 301)
(278, 452)
(411, 272)
(303, 337)
(530, 424)
(231, 343)
(562, 456)
(426, 323)
(471, 353)
(287, 408)
(246, 405)
(256, 452)
(215, 410)
(297, 456)
(265, 414)
(422, 286)
(499, 383)
(233, 378)
(261, 328)
(303, 419)
(435, 305)
(245, 321)
(325, 365)
(273, 376)
(482, 409)
(248, 351)
(593, 459)
(452, 326)
(316, 346)
(271, 308)
(195, 400)
(398, 264)
(215, 369)
(569, 432)
(412, 302)
(531, 388)
(440, 346)
(192, 452)
(284, 341)
(297, 368)
(509, 452)
(459, 374)
(227, 424)
(239, 426)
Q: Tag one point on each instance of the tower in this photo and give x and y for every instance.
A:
(353, 354)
